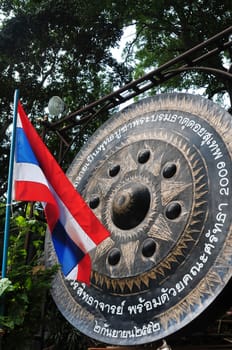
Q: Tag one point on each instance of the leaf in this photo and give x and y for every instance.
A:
(7, 322)
(5, 286)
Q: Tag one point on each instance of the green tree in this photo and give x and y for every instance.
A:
(23, 292)
(56, 48)
(167, 28)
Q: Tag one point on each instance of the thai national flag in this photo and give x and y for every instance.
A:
(37, 176)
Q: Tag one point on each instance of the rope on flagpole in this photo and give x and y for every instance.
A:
(9, 187)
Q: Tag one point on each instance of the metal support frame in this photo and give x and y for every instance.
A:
(192, 59)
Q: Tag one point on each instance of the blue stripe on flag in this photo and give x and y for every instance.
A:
(23, 152)
(69, 254)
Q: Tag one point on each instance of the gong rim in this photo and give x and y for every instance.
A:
(163, 152)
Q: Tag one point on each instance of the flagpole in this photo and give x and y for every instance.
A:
(9, 187)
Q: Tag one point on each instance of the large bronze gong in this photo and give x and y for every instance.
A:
(158, 176)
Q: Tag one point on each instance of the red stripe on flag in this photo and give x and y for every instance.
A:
(38, 192)
(84, 269)
(62, 185)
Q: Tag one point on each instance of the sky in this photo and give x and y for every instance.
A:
(128, 36)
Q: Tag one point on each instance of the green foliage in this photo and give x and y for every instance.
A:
(167, 28)
(5, 286)
(25, 289)
(56, 48)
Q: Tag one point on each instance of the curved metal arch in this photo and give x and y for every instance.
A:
(214, 71)
(187, 60)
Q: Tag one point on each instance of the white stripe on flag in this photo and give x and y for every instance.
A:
(74, 230)
(72, 274)
(19, 123)
(29, 172)
(32, 172)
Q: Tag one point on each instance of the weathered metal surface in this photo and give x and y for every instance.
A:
(158, 175)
